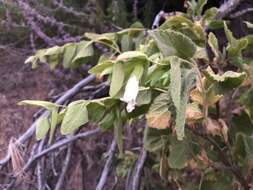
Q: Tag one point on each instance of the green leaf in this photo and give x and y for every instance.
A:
(179, 155)
(42, 127)
(188, 82)
(175, 81)
(75, 116)
(155, 139)
(248, 143)
(84, 53)
(210, 14)
(181, 82)
(160, 111)
(117, 81)
(126, 43)
(108, 39)
(144, 97)
(102, 66)
(118, 131)
(68, 54)
(249, 24)
(138, 71)
(176, 21)
(54, 119)
(226, 81)
(222, 180)
(213, 43)
(229, 35)
(96, 111)
(132, 56)
(56, 50)
(47, 105)
(173, 43)
(236, 49)
(107, 122)
(199, 7)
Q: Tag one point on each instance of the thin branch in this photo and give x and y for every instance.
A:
(69, 10)
(69, 94)
(64, 169)
(135, 178)
(157, 20)
(60, 144)
(40, 167)
(240, 13)
(226, 8)
(107, 168)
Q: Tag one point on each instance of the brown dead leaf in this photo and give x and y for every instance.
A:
(212, 126)
(224, 129)
(159, 121)
(193, 113)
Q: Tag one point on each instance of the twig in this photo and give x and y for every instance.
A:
(40, 167)
(69, 10)
(240, 13)
(157, 19)
(69, 94)
(108, 164)
(60, 144)
(227, 8)
(64, 168)
(135, 178)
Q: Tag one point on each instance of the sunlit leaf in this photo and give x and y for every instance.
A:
(42, 127)
(118, 77)
(75, 116)
(47, 105)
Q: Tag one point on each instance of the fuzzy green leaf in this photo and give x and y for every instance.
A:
(84, 52)
(68, 54)
(47, 105)
(42, 127)
(179, 155)
(175, 81)
(213, 43)
(173, 43)
(117, 81)
(226, 81)
(155, 139)
(75, 116)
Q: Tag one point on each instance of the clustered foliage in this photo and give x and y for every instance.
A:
(194, 96)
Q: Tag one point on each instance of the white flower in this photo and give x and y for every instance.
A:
(131, 92)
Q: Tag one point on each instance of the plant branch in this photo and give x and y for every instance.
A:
(64, 168)
(136, 176)
(108, 165)
(226, 8)
(60, 144)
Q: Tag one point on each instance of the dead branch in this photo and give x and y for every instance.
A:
(157, 20)
(240, 13)
(59, 144)
(30, 131)
(135, 178)
(226, 8)
(69, 10)
(40, 167)
(64, 169)
(107, 168)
